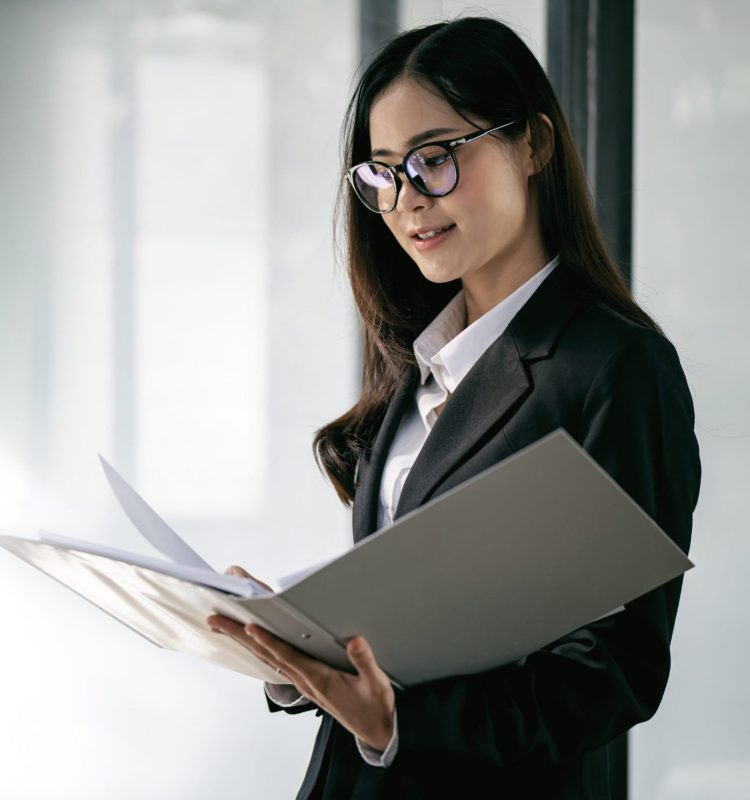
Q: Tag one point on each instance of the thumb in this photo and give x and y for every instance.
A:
(362, 658)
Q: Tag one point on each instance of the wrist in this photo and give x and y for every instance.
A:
(382, 738)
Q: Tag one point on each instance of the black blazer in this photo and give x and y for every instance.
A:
(538, 728)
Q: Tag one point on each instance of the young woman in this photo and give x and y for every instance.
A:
(491, 315)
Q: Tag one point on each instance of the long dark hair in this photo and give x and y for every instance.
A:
(481, 67)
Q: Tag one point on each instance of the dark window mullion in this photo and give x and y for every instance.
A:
(590, 65)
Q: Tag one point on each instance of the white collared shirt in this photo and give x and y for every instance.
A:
(445, 351)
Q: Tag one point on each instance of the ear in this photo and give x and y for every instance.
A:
(540, 152)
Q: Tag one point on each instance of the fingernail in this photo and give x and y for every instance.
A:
(216, 630)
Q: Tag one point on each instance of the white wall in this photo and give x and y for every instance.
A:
(692, 270)
(168, 297)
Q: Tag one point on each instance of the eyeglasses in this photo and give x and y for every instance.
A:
(430, 168)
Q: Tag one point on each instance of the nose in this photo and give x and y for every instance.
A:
(409, 199)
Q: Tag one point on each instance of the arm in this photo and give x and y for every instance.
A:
(592, 685)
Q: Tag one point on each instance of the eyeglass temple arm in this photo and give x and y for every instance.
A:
(470, 137)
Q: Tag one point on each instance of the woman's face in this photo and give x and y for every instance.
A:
(494, 229)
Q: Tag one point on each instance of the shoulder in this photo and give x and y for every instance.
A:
(634, 383)
(602, 356)
(599, 338)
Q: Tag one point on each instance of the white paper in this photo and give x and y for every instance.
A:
(153, 528)
(244, 587)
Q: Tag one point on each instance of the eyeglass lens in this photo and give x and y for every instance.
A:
(430, 169)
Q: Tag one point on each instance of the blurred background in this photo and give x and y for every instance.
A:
(170, 297)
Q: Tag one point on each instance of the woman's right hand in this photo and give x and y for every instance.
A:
(241, 573)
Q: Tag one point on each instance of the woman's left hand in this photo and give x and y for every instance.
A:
(362, 703)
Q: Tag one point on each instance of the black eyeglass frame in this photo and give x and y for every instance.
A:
(450, 145)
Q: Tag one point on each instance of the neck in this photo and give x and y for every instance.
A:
(486, 289)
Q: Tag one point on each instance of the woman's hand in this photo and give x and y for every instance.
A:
(241, 573)
(363, 703)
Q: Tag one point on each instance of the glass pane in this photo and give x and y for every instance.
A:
(170, 298)
(691, 270)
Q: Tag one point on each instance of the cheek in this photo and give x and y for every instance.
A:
(491, 183)
(497, 208)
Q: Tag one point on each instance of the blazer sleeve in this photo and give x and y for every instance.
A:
(637, 422)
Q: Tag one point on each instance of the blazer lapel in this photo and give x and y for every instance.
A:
(494, 388)
(370, 468)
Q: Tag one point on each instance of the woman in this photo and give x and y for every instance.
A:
(492, 315)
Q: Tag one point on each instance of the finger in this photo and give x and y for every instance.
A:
(265, 650)
(363, 660)
(308, 674)
(240, 572)
(236, 631)
(289, 671)
(234, 569)
(290, 662)
(225, 624)
(228, 626)
(283, 652)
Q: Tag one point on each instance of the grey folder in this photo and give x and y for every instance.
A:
(529, 550)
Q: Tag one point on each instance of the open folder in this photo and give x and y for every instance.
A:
(514, 558)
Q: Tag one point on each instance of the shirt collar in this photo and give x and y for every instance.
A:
(448, 349)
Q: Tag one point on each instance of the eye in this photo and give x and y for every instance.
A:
(436, 161)
(431, 156)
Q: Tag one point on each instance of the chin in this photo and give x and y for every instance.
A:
(439, 277)
(437, 274)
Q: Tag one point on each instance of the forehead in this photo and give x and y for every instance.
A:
(405, 109)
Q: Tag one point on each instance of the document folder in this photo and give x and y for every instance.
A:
(533, 548)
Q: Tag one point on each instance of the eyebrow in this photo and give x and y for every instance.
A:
(415, 140)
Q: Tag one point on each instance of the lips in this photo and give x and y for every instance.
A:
(426, 233)
(435, 238)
